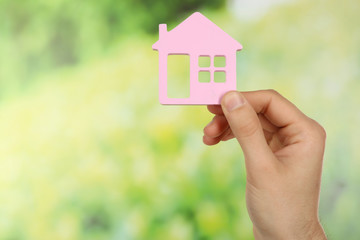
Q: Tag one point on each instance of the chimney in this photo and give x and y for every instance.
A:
(162, 30)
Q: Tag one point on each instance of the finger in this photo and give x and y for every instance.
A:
(277, 109)
(229, 135)
(266, 124)
(216, 127)
(210, 141)
(215, 109)
(214, 140)
(246, 127)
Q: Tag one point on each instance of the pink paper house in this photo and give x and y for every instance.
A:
(197, 37)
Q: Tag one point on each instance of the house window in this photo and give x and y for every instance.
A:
(212, 67)
(204, 61)
(219, 76)
(204, 76)
(219, 61)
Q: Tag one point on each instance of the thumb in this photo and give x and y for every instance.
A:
(246, 127)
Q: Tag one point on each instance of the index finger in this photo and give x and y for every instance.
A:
(277, 109)
(215, 109)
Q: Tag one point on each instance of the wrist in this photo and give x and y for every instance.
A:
(317, 232)
(312, 230)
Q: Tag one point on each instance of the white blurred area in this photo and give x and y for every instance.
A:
(254, 9)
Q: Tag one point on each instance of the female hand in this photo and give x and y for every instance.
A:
(283, 151)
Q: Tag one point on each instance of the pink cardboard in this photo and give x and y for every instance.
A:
(197, 36)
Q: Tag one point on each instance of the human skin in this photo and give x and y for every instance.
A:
(283, 151)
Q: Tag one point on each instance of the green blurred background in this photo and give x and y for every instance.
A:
(87, 152)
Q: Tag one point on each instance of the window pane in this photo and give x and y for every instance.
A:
(204, 61)
(219, 61)
(219, 76)
(204, 76)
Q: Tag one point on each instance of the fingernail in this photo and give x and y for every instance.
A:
(233, 101)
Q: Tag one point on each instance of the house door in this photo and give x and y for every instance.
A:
(178, 76)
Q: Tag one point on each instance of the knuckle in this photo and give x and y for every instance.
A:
(273, 92)
(321, 131)
(316, 130)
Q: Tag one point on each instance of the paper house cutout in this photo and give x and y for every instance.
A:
(197, 36)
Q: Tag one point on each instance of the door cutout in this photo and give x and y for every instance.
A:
(178, 76)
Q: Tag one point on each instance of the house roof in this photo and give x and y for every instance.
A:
(196, 33)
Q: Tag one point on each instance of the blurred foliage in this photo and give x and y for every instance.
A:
(41, 35)
(87, 152)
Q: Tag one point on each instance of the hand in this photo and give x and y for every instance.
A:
(283, 152)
